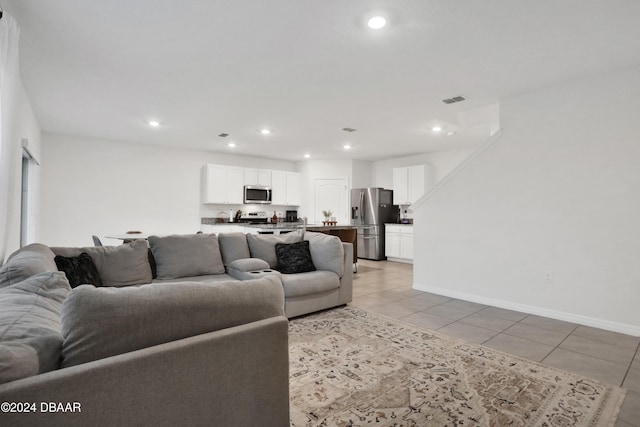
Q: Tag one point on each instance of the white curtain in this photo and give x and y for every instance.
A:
(9, 147)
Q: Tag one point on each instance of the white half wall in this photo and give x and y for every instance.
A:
(546, 219)
(93, 186)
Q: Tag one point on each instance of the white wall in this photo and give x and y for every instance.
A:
(20, 124)
(361, 174)
(439, 164)
(320, 169)
(93, 186)
(546, 219)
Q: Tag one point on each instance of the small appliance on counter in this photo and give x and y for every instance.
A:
(291, 216)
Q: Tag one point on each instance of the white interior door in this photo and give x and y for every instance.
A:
(333, 195)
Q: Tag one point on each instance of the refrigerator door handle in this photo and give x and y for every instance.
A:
(361, 206)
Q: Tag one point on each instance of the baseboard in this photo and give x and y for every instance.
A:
(530, 309)
(403, 260)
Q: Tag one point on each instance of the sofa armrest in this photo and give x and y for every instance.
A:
(202, 380)
(346, 281)
(248, 268)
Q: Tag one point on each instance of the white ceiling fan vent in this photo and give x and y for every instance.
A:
(455, 99)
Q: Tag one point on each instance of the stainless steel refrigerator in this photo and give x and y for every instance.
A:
(370, 209)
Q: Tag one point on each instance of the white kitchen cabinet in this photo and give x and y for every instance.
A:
(223, 184)
(285, 188)
(222, 228)
(294, 192)
(399, 242)
(257, 177)
(410, 183)
(400, 186)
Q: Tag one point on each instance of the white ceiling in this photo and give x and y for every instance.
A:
(306, 68)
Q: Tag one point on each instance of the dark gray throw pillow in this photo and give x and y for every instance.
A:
(80, 270)
(294, 257)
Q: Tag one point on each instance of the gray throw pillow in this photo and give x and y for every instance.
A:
(233, 246)
(185, 255)
(327, 252)
(122, 265)
(263, 246)
(26, 262)
(30, 326)
(138, 317)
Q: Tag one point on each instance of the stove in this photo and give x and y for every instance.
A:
(259, 217)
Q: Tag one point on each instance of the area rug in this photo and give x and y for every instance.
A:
(349, 367)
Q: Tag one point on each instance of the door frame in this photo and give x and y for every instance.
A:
(317, 216)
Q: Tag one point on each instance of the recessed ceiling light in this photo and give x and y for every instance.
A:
(349, 129)
(265, 131)
(346, 147)
(451, 133)
(377, 22)
(153, 123)
(231, 144)
(436, 128)
(306, 156)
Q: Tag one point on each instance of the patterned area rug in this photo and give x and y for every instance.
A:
(349, 367)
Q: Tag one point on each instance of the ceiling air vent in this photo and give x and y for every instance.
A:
(453, 100)
(349, 129)
(223, 135)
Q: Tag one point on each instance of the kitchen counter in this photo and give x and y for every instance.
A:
(316, 227)
(278, 226)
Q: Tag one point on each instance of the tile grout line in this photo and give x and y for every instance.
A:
(630, 364)
(559, 344)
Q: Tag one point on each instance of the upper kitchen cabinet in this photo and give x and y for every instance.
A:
(223, 184)
(257, 177)
(410, 183)
(285, 188)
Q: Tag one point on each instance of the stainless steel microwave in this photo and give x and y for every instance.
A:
(257, 194)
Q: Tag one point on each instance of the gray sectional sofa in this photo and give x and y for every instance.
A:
(184, 330)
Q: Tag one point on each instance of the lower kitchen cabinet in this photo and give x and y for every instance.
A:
(399, 242)
(222, 228)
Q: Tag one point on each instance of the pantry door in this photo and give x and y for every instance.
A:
(333, 195)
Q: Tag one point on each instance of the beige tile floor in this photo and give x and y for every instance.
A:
(385, 287)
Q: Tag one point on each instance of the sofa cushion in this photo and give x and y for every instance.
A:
(102, 322)
(327, 252)
(263, 246)
(26, 262)
(233, 246)
(121, 265)
(80, 270)
(30, 327)
(294, 257)
(182, 255)
(313, 282)
(205, 278)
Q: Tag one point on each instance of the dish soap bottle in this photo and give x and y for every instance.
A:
(274, 218)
